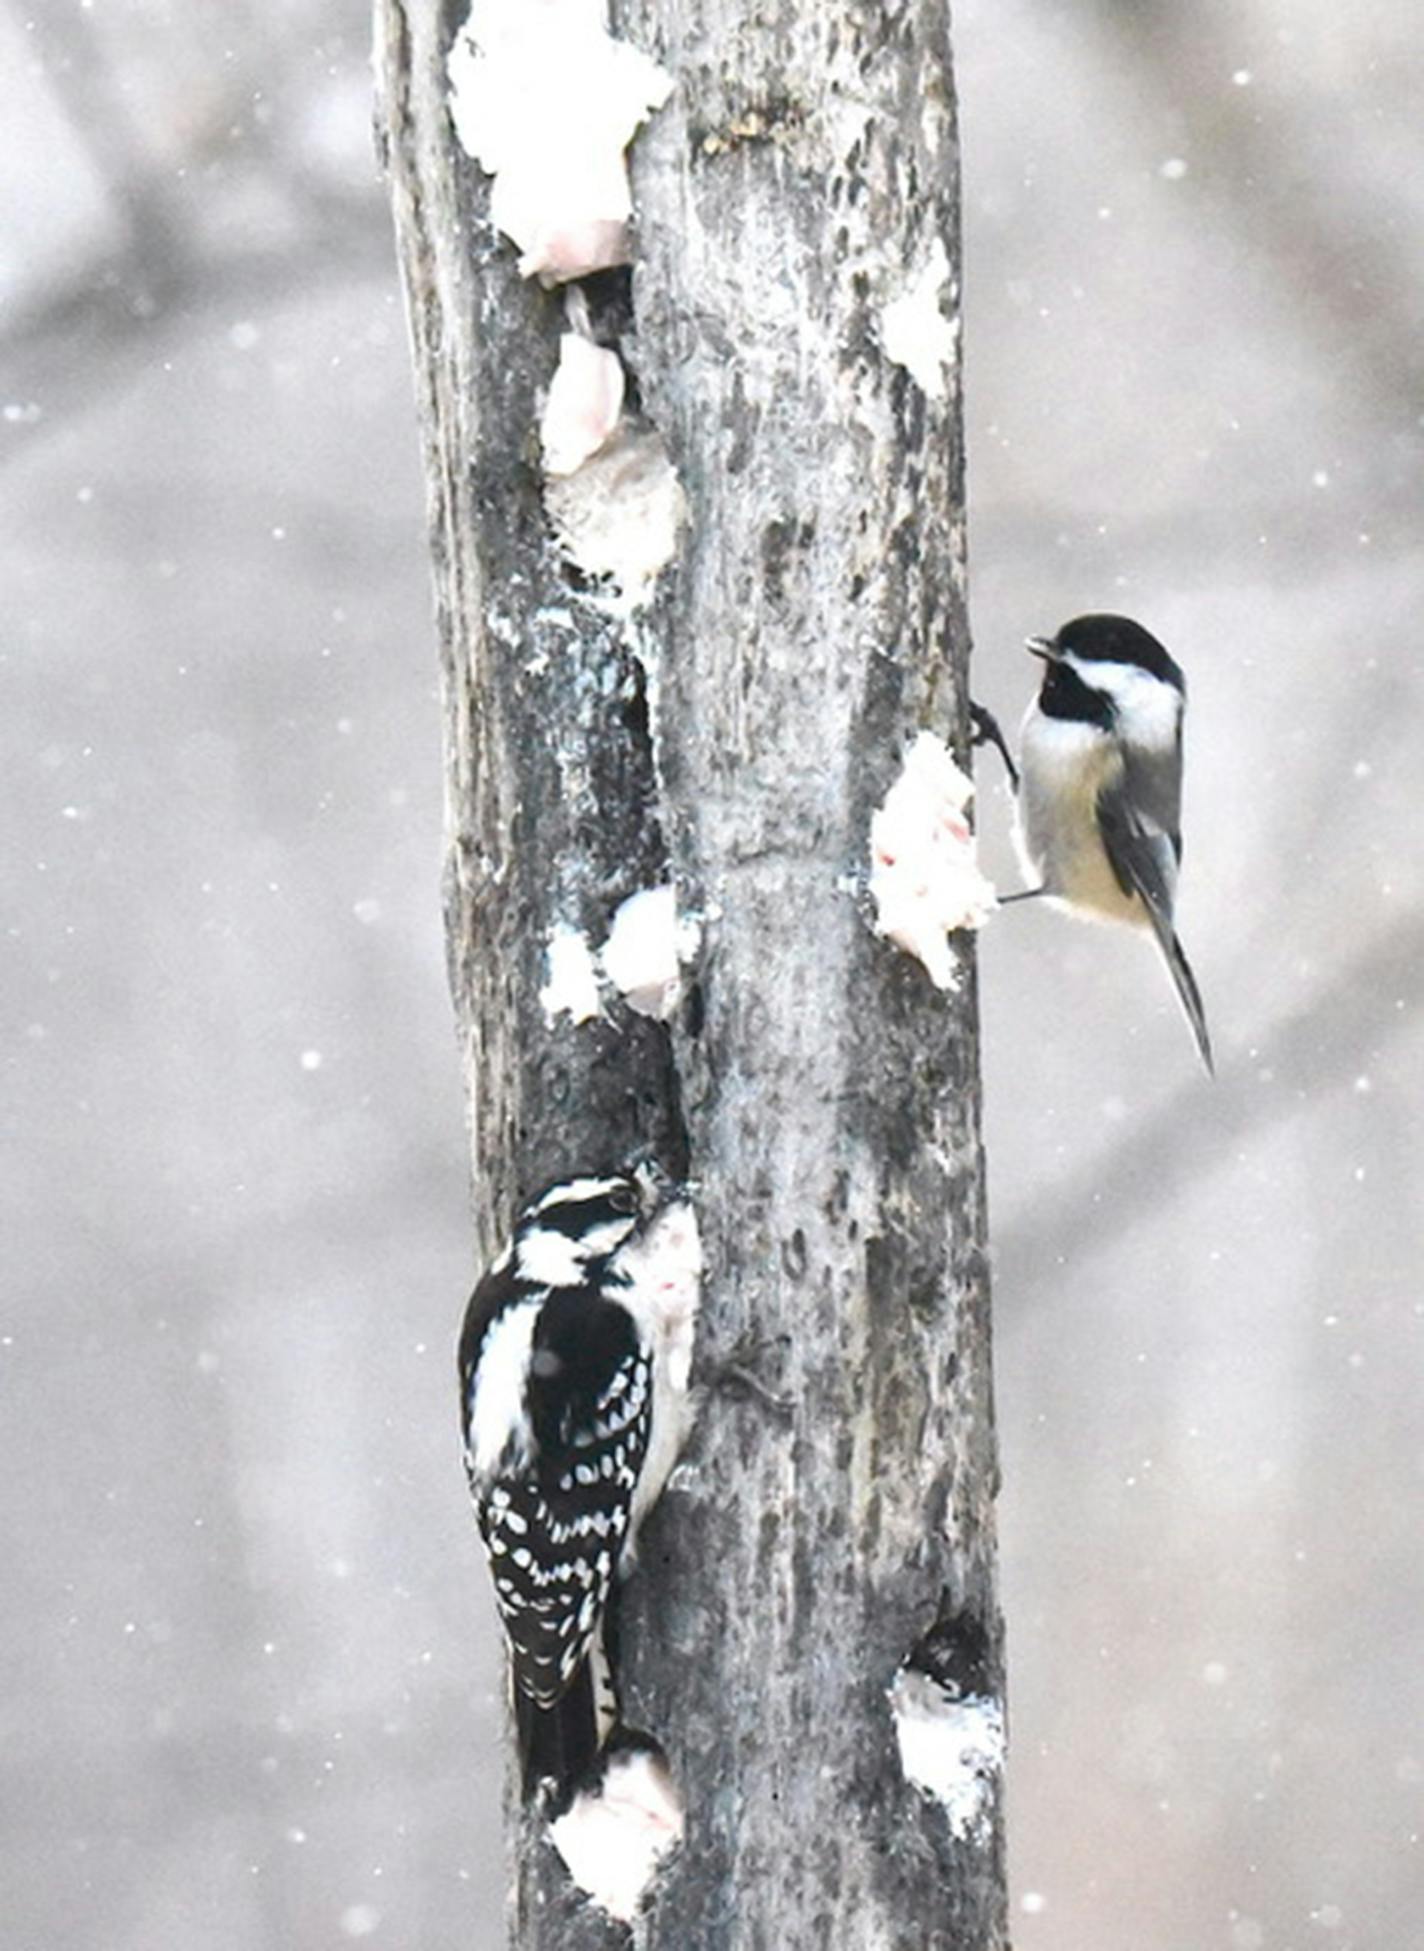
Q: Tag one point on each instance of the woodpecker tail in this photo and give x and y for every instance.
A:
(1188, 993)
(559, 1745)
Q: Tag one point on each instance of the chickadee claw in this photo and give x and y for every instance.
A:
(987, 732)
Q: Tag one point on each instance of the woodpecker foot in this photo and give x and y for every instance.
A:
(737, 1373)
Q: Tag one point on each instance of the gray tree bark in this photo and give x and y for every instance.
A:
(736, 737)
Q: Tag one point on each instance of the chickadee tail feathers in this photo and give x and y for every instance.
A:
(560, 1745)
(1188, 994)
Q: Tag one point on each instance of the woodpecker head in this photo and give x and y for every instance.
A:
(575, 1227)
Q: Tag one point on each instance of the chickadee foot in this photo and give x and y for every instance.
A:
(1024, 894)
(737, 1373)
(987, 732)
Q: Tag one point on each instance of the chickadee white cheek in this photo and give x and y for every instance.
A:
(1149, 710)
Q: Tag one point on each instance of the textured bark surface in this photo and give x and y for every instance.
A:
(740, 734)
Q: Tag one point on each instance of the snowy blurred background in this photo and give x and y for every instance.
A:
(249, 1678)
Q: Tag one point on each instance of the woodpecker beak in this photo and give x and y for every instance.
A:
(656, 1186)
(1043, 647)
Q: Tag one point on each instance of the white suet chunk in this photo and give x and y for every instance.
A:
(950, 1748)
(584, 404)
(645, 949)
(547, 101)
(613, 1838)
(924, 864)
(572, 987)
(618, 516)
(914, 331)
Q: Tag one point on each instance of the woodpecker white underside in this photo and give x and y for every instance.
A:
(664, 1269)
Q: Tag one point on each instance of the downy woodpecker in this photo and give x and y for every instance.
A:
(574, 1368)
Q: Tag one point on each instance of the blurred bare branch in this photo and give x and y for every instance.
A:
(88, 342)
(176, 249)
(1341, 257)
(1318, 1051)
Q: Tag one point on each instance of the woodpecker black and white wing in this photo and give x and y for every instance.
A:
(555, 1525)
(1144, 858)
(555, 1534)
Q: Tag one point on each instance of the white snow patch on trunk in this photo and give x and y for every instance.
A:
(645, 949)
(914, 331)
(584, 404)
(547, 101)
(952, 1749)
(572, 988)
(614, 1837)
(924, 865)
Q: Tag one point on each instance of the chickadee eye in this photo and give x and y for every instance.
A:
(624, 1199)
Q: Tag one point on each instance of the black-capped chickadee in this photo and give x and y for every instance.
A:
(1099, 805)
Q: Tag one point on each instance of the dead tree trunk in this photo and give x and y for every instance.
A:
(796, 301)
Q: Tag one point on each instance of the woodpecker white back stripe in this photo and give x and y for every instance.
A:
(498, 1417)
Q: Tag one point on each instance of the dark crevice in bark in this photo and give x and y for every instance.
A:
(553, 795)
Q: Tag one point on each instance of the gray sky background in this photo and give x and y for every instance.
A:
(250, 1679)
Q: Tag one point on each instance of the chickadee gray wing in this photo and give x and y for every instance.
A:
(1141, 853)
(1152, 786)
(1144, 859)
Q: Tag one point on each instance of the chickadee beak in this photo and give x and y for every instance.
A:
(1043, 647)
